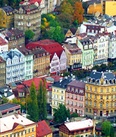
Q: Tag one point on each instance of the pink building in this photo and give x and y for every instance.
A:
(75, 97)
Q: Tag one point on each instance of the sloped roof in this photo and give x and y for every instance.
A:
(77, 125)
(49, 45)
(42, 129)
(2, 41)
(7, 9)
(9, 122)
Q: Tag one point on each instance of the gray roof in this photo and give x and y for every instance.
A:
(106, 75)
(7, 106)
(77, 83)
(7, 9)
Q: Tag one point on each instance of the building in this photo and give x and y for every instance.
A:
(6, 92)
(3, 44)
(112, 47)
(71, 32)
(43, 130)
(2, 72)
(59, 91)
(15, 37)
(100, 95)
(28, 16)
(86, 47)
(57, 55)
(15, 65)
(75, 97)
(41, 62)
(74, 55)
(17, 125)
(9, 109)
(7, 17)
(82, 128)
(28, 55)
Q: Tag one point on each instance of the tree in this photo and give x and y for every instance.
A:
(32, 106)
(106, 128)
(61, 114)
(29, 34)
(78, 12)
(56, 33)
(3, 100)
(42, 101)
(66, 7)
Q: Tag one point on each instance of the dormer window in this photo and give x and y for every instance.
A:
(72, 89)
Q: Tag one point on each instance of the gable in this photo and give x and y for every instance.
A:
(17, 127)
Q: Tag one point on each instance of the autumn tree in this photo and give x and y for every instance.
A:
(42, 101)
(66, 7)
(78, 12)
(32, 106)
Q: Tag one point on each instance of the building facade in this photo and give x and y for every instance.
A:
(15, 37)
(86, 47)
(17, 126)
(83, 128)
(3, 44)
(41, 62)
(2, 72)
(28, 56)
(75, 97)
(7, 17)
(58, 92)
(28, 16)
(15, 65)
(100, 93)
(74, 55)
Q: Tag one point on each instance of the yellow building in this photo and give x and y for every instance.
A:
(92, 9)
(58, 92)
(100, 93)
(6, 17)
(74, 54)
(17, 125)
(41, 62)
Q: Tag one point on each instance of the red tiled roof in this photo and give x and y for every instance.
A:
(56, 78)
(32, 1)
(42, 129)
(2, 41)
(35, 80)
(49, 45)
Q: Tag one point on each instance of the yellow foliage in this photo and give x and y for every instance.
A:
(51, 15)
(46, 24)
(44, 19)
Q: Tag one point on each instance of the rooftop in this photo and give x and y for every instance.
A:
(8, 106)
(42, 129)
(77, 125)
(12, 121)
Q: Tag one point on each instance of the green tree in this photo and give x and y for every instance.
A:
(42, 101)
(61, 114)
(106, 128)
(56, 33)
(112, 132)
(32, 106)
(3, 100)
(29, 34)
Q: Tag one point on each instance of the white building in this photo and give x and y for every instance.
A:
(15, 65)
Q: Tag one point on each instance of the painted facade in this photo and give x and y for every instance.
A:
(74, 55)
(28, 17)
(15, 65)
(75, 100)
(28, 56)
(87, 52)
(112, 47)
(17, 126)
(7, 14)
(2, 72)
(3, 44)
(100, 93)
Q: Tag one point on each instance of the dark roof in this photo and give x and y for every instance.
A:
(25, 51)
(13, 33)
(77, 83)
(98, 75)
(63, 82)
(1, 60)
(42, 129)
(7, 9)
(73, 30)
(8, 106)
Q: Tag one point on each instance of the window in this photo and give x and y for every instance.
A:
(101, 89)
(32, 129)
(28, 130)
